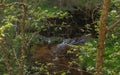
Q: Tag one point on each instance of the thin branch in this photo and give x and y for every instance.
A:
(15, 54)
(6, 59)
(12, 4)
(24, 5)
(23, 54)
(113, 25)
(70, 67)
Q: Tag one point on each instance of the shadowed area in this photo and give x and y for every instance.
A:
(59, 58)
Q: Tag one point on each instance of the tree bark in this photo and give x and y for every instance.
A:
(102, 36)
(23, 50)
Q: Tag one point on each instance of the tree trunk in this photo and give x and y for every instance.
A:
(23, 50)
(102, 36)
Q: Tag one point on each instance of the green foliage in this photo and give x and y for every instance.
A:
(39, 10)
(112, 54)
(88, 55)
(89, 3)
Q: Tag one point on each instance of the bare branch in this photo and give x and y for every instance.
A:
(13, 4)
(113, 25)
(24, 5)
(23, 54)
(6, 59)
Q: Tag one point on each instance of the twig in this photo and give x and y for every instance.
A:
(23, 54)
(70, 67)
(6, 60)
(113, 25)
(12, 4)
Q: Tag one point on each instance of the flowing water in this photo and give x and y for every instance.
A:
(57, 55)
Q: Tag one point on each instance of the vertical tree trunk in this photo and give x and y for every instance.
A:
(102, 36)
(23, 54)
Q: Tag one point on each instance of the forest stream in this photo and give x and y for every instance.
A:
(60, 57)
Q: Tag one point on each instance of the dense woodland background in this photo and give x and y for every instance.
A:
(59, 37)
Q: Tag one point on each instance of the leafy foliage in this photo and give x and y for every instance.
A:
(10, 33)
